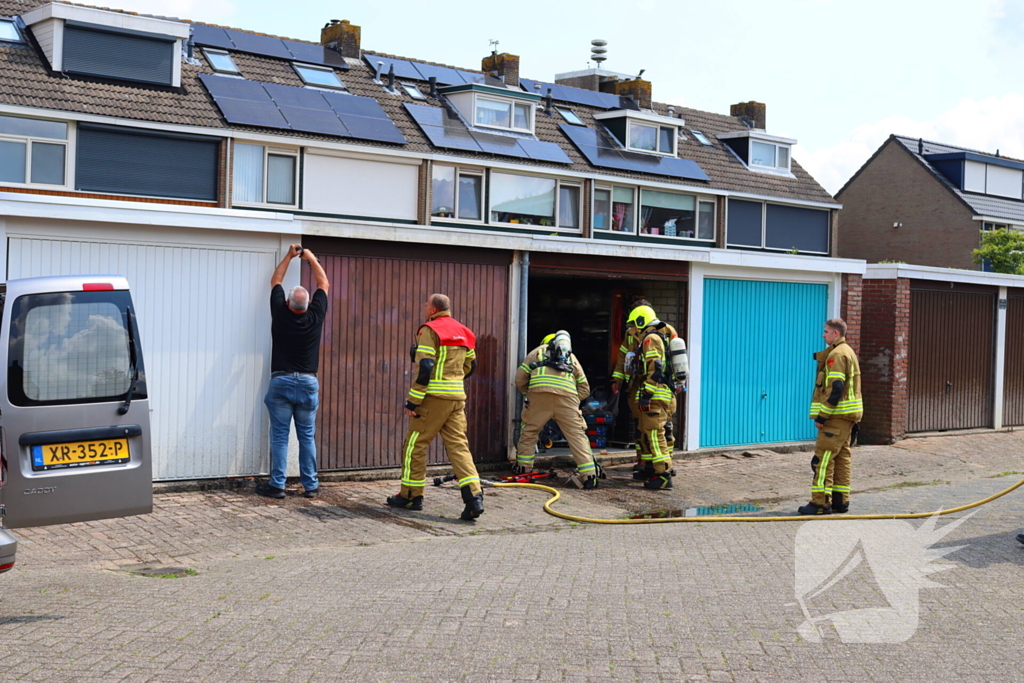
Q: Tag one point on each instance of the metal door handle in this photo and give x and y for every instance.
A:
(949, 385)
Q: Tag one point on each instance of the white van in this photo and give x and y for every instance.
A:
(74, 412)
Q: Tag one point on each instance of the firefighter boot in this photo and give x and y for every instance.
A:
(814, 509)
(405, 503)
(659, 481)
(474, 504)
(840, 504)
(590, 482)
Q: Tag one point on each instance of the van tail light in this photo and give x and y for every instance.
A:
(96, 286)
(5, 567)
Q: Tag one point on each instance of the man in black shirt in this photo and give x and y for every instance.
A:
(294, 361)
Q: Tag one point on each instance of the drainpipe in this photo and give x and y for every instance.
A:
(524, 290)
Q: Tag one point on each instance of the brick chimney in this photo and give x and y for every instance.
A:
(504, 66)
(636, 88)
(753, 112)
(342, 36)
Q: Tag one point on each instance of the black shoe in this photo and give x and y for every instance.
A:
(474, 504)
(1020, 538)
(405, 503)
(659, 481)
(521, 469)
(311, 493)
(813, 509)
(840, 504)
(641, 472)
(268, 491)
(590, 482)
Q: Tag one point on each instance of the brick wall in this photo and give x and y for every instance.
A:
(936, 229)
(851, 307)
(884, 358)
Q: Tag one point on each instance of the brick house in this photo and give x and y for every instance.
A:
(926, 203)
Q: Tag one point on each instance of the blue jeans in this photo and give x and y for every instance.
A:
(293, 396)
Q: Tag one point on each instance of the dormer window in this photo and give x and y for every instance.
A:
(489, 106)
(642, 131)
(760, 151)
(9, 32)
(220, 61)
(769, 155)
(495, 113)
(645, 138)
(319, 76)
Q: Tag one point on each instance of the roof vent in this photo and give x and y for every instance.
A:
(598, 51)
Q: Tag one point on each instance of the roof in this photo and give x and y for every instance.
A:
(980, 204)
(25, 80)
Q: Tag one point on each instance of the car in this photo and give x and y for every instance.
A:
(74, 409)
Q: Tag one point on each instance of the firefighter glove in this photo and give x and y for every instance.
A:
(645, 402)
(409, 405)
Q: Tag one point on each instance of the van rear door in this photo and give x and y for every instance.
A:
(74, 408)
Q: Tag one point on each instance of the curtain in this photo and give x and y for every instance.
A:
(248, 184)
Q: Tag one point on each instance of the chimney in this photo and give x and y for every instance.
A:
(751, 112)
(504, 66)
(636, 88)
(342, 36)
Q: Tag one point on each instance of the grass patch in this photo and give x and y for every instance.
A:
(1004, 474)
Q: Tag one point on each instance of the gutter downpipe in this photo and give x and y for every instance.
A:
(524, 290)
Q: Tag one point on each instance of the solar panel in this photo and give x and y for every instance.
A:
(240, 41)
(497, 144)
(544, 151)
(364, 117)
(403, 68)
(444, 75)
(323, 121)
(244, 102)
(211, 36)
(315, 54)
(471, 77)
(259, 45)
(565, 93)
(599, 151)
(291, 96)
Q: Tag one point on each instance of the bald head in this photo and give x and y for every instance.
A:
(436, 303)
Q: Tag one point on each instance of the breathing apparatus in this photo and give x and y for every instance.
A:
(559, 352)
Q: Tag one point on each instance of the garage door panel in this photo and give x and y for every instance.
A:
(1013, 392)
(205, 335)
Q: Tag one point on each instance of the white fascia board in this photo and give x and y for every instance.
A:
(828, 266)
(163, 215)
(994, 219)
(756, 135)
(891, 271)
(99, 17)
(640, 116)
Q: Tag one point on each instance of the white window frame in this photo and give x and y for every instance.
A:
(558, 200)
(459, 172)
(611, 201)
(630, 123)
(697, 201)
(511, 102)
(69, 155)
(564, 111)
(764, 229)
(700, 137)
(775, 167)
(207, 51)
(20, 40)
(267, 152)
(298, 66)
(413, 91)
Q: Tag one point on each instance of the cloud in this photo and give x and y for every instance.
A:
(989, 124)
(207, 11)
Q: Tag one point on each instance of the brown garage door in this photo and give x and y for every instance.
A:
(1013, 382)
(376, 305)
(952, 349)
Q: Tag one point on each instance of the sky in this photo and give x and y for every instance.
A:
(837, 76)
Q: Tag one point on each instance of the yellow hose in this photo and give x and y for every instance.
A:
(555, 495)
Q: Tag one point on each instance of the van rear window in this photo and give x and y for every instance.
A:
(70, 347)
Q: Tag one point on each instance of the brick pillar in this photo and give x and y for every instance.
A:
(884, 359)
(504, 66)
(850, 308)
(638, 89)
(424, 198)
(755, 112)
(343, 36)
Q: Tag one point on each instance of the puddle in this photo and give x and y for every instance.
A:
(712, 510)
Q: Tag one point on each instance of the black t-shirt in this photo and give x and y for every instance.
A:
(296, 336)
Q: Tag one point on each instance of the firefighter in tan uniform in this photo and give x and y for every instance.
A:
(632, 382)
(554, 384)
(655, 399)
(444, 355)
(836, 408)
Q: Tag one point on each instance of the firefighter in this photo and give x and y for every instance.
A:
(631, 382)
(836, 408)
(655, 398)
(554, 384)
(444, 355)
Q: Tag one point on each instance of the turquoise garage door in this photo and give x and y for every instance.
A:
(757, 365)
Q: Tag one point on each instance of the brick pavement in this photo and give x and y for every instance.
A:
(344, 589)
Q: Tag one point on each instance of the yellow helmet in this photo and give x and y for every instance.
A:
(548, 338)
(642, 317)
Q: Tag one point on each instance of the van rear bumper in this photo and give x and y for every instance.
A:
(8, 548)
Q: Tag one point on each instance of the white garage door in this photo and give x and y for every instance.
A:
(205, 326)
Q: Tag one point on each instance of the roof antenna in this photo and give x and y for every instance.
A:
(598, 51)
(494, 46)
(640, 74)
(920, 145)
(433, 87)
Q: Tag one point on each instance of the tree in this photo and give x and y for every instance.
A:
(1003, 249)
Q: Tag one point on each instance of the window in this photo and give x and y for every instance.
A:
(220, 60)
(706, 221)
(9, 32)
(529, 200)
(413, 91)
(602, 209)
(993, 226)
(32, 151)
(671, 214)
(777, 227)
(321, 76)
(768, 155)
(570, 116)
(568, 206)
(613, 209)
(503, 114)
(700, 137)
(647, 138)
(456, 193)
(264, 176)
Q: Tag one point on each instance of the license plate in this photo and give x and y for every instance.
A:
(58, 456)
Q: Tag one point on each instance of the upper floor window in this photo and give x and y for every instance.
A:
(531, 200)
(657, 213)
(220, 60)
(570, 116)
(701, 138)
(9, 32)
(503, 114)
(32, 151)
(777, 227)
(264, 176)
(320, 76)
(457, 193)
(647, 138)
(769, 155)
(413, 91)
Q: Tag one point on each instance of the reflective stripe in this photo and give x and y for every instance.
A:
(426, 349)
(652, 354)
(468, 480)
(618, 375)
(470, 353)
(836, 375)
(525, 459)
(841, 489)
(822, 468)
(407, 459)
(658, 456)
(623, 349)
(410, 482)
(581, 379)
(586, 467)
(420, 395)
(439, 369)
(525, 367)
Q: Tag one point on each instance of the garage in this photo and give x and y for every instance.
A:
(204, 322)
(756, 360)
(1013, 377)
(376, 306)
